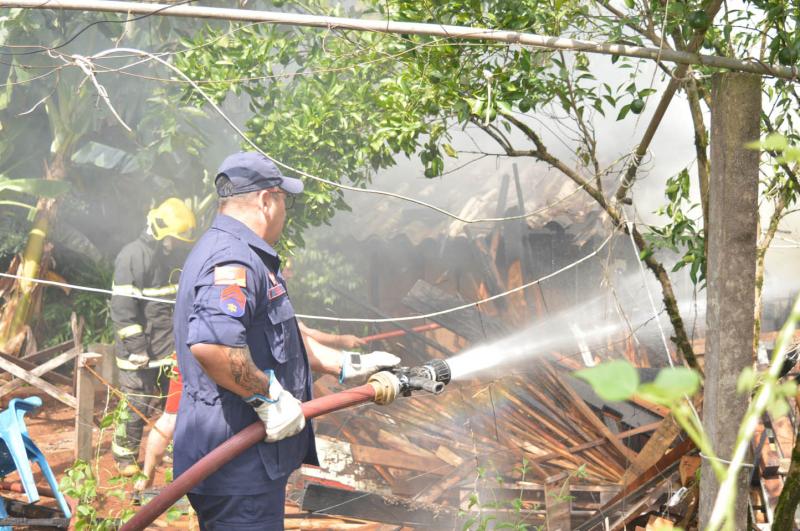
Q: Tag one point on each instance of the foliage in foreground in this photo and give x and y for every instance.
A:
(674, 387)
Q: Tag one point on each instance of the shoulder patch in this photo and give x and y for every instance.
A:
(232, 300)
(230, 275)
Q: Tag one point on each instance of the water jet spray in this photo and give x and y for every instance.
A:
(382, 388)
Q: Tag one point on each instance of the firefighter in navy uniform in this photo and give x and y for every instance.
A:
(149, 266)
(242, 355)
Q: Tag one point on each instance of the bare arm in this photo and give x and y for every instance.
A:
(322, 358)
(332, 340)
(232, 368)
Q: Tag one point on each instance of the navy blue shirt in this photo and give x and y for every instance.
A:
(231, 293)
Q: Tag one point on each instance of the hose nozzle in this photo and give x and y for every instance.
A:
(431, 376)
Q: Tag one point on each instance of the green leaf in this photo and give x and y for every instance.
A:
(37, 187)
(773, 142)
(670, 386)
(449, 150)
(18, 204)
(746, 381)
(613, 381)
(504, 107)
(778, 408)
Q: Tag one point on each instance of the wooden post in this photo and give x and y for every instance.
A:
(84, 417)
(106, 366)
(526, 259)
(731, 263)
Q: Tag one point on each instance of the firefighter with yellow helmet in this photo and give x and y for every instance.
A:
(146, 268)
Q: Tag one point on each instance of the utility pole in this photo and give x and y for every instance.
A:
(731, 264)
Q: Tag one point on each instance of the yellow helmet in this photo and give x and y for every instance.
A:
(172, 218)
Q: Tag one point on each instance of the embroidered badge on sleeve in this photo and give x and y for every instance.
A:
(232, 300)
(230, 275)
(276, 289)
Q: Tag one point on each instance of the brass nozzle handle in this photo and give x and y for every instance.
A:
(386, 386)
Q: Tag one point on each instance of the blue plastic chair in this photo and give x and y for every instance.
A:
(17, 450)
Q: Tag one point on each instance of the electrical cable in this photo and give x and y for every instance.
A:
(342, 319)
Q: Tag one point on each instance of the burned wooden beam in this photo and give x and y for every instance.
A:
(319, 499)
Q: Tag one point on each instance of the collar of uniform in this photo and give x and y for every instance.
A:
(148, 239)
(243, 232)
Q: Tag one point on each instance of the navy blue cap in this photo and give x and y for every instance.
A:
(250, 171)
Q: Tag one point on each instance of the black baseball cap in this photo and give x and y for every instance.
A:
(250, 171)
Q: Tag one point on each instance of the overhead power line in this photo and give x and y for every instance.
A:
(414, 28)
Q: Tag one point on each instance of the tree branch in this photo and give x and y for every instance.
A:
(663, 104)
(700, 144)
(681, 338)
(588, 135)
(645, 32)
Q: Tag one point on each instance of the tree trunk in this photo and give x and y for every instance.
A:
(790, 495)
(732, 254)
(17, 310)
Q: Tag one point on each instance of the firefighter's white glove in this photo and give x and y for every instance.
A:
(280, 411)
(357, 368)
(139, 359)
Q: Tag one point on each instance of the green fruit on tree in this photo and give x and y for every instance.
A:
(525, 105)
(637, 106)
(699, 20)
(788, 56)
(429, 173)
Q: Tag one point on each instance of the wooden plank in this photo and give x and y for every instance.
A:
(688, 468)
(558, 503)
(448, 456)
(395, 459)
(587, 412)
(53, 377)
(623, 504)
(36, 357)
(653, 450)
(38, 382)
(369, 506)
(458, 475)
(597, 442)
(84, 419)
(769, 461)
(633, 510)
(663, 466)
(399, 442)
(784, 435)
(659, 523)
(40, 370)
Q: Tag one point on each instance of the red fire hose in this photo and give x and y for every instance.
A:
(375, 391)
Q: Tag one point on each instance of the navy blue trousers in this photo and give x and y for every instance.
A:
(257, 512)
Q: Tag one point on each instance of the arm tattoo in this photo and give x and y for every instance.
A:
(244, 371)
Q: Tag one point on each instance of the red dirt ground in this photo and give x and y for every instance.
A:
(52, 428)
